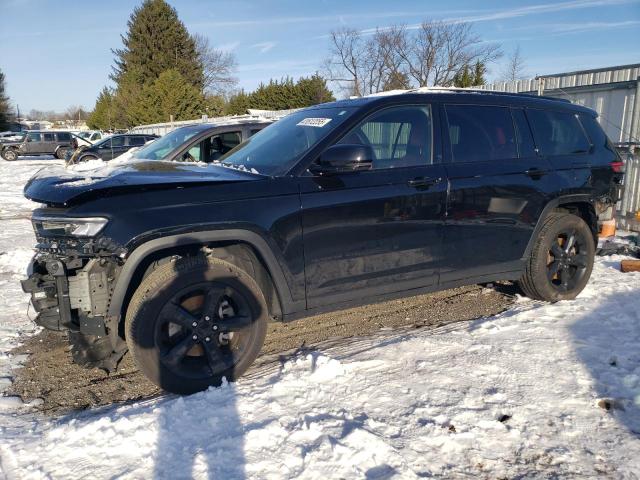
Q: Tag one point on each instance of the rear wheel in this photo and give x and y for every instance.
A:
(61, 152)
(194, 321)
(561, 259)
(9, 154)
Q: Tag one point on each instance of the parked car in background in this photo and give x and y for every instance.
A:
(337, 205)
(48, 142)
(109, 148)
(203, 142)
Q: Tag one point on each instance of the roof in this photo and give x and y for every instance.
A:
(455, 94)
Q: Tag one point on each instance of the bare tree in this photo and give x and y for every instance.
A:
(364, 64)
(399, 57)
(76, 115)
(515, 67)
(438, 50)
(218, 66)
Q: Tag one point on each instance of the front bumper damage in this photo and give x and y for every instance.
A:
(70, 285)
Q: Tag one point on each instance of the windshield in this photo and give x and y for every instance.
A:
(277, 148)
(159, 149)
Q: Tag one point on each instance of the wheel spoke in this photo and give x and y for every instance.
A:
(564, 277)
(579, 260)
(235, 323)
(214, 356)
(178, 315)
(556, 250)
(553, 270)
(177, 352)
(211, 301)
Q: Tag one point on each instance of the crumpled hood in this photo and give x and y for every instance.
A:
(60, 186)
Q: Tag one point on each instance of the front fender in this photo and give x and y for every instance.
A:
(142, 251)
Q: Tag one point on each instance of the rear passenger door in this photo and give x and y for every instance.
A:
(118, 147)
(49, 143)
(498, 186)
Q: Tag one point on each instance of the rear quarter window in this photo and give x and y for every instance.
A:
(480, 133)
(558, 133)
(594, 130)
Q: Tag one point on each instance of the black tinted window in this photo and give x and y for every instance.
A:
(526, 147)
(557, 133)
(34, 137)
(594, 130)
(48, 137)
(136, 141)
(117, 142)
(400, 137)
(64, 137)
(479, 133)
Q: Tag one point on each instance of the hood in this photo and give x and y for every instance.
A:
(60, 186)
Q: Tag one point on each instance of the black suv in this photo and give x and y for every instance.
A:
(345, 203)
(47, 142)
(109, 148)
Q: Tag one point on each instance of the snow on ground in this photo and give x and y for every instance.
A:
(522, 394)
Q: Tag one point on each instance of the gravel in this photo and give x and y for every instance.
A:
(48, 373)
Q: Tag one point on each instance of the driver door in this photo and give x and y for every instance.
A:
(32, 144)
(379, 231)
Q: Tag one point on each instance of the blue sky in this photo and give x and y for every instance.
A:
(58, 53)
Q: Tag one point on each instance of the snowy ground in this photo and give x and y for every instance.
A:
(520, 395)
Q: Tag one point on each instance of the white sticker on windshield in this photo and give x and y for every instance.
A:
(314, 122)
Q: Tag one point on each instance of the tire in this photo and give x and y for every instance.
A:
(194, 321)
(561, 259)
(60, 153)
(9, 154)
(85, 158)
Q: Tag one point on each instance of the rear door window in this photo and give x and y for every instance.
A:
(222, 143)
(48, 137)
(64, 137)
(117, 142)
(526, 147)
(558, 133)
(480, 133)
(135, 141)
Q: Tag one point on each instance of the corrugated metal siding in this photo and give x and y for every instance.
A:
(610, 92)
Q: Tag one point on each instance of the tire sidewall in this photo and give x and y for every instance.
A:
(539, 274)
(9, 151)
(141, 327)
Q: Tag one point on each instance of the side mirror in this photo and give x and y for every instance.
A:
(344, 158)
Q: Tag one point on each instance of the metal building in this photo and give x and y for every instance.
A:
(613, 92)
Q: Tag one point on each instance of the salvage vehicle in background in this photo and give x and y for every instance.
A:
(345, 203)
(109, 148)
(48, 142)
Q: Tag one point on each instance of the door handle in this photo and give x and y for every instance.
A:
(536, 172)
(424, 182)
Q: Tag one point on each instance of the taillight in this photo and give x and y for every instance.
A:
(617, 166)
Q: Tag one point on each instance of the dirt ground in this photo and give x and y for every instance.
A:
(49, 374)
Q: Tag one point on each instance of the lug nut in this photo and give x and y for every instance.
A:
(194, 324)
(215, 327)
(195, 337)
(207, 339)
(207, 318)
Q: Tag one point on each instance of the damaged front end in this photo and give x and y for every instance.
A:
(71, 279)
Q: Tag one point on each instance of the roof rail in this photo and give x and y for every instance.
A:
(466, 90)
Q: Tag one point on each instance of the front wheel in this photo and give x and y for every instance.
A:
(9, 154)
(561, 259)
(61, 152)
(193, 322)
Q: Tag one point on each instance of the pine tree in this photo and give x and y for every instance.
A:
(464, 78)
(4, 105)
(102, 117)
(314, 90)
(478, 73)
(237, 104)
(170, 95)
(157, 41)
